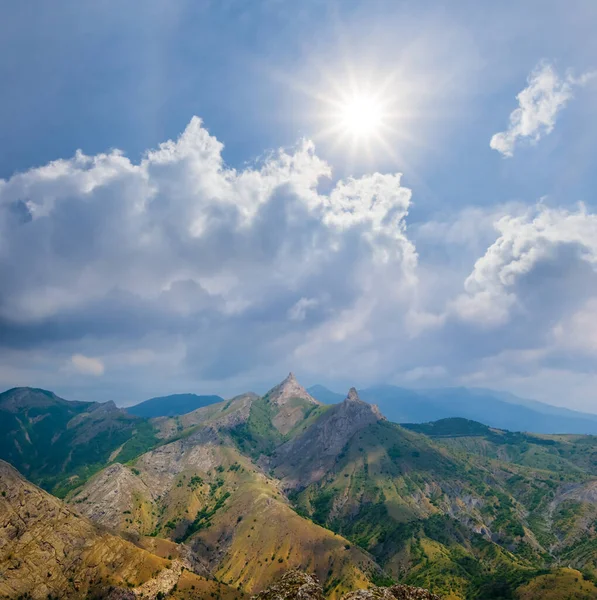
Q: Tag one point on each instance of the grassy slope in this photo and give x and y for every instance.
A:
(390, 493)
(61, 444)
(563, 583)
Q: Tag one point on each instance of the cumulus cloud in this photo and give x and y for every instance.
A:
(185, 274)
(180, 248)
(87, 365)
(525, 242)
(538, 106)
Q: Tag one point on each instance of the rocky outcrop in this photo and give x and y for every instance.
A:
(293, 585)
(395, 592)
(290, 404)
(162, 584)
(296, 585)
(224, 415)
(287, 390)
(308, 457)
(111, 498)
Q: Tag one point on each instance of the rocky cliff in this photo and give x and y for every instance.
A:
(296, 585)
(306, 459)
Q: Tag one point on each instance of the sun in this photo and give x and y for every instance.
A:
(361, 115)
(361, 119)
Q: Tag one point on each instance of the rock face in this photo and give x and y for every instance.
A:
(396, 592)
(287, 390)
(290, 404)
(296, 585)
(308, 457)
(293, 585)
(111, 496)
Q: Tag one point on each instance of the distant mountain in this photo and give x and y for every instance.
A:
(171, 406)
(325, 395)
(496, 409)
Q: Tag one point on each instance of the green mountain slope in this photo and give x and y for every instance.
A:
(252, 486)
(56, 443)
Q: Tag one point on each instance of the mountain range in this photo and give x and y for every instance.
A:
(497, 409)
(224, 500)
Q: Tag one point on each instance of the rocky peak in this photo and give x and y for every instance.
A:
(296, 585)
(353, 400)
(293, 584)
(289, 388)
(353, 395)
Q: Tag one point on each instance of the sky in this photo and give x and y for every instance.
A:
(185, 205)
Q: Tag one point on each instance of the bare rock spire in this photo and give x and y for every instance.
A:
(289, 388)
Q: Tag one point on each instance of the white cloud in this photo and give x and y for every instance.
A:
(298, 312)
(187, 250)
(539, 104)
(182, 269)
(524, 242)
(87, 365)
(578, 331)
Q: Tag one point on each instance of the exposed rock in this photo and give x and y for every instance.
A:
(225, 415)
(287, 390)
(110, 496)
(396, 592)
(308, 457)
(294, 584)
(162, 584)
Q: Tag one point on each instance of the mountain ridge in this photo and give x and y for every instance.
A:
(497, 409)
(250, 487)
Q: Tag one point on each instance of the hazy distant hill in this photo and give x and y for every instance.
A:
(172, 406)
(325, 395)
(496, 409)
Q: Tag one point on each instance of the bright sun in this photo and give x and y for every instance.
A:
(361, 115)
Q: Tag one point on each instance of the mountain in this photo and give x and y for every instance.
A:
(171, 406)
(497, 409)
(49, 551)
(309, 456)
(325, 395)
(247, 489)
(52, 440)
(211, 489)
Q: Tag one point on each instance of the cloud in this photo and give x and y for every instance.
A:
(541, 236)
(235, 265)
(87, 365)
(298, 312)
(185, 274)
(539, 104)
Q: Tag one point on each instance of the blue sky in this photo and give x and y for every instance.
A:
(128, 271)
